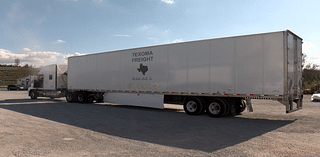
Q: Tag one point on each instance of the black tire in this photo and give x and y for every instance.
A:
(193, 106)
(82, 98)
(241, 105)
(228, 107)
(89, 99)
(70, 97)
(216, 108)
(33, 95)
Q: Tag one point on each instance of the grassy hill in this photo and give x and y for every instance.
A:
(10, 74)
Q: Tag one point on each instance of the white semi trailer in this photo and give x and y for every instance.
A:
(216, 76)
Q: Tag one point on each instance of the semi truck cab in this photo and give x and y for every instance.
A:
(51, 82)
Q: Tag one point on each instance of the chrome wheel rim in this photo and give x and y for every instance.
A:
(69, 97)
(214, 108)
(191, 106)
(80, 98)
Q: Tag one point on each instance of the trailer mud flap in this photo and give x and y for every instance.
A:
(135, 99)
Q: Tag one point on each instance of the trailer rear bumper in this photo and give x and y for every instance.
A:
(292, 105)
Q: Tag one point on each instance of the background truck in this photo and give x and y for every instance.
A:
(216, 76)
(51, 81)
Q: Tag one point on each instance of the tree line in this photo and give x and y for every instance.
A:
(310, 76)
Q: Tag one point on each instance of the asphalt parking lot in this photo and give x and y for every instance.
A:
(47, 127)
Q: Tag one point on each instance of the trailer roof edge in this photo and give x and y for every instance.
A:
(150, 46)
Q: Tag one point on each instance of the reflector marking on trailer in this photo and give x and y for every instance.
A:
(155, 86)
(129, 85)
(139, 85)
(145, 85)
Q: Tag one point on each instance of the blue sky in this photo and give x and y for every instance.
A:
(41, 32)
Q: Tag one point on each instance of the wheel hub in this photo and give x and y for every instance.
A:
(192, 106)
(214, 108)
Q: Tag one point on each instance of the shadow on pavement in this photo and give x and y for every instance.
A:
(150, 125)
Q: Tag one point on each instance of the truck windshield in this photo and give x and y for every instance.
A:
(38, 83)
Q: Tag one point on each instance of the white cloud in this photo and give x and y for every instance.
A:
(75, 54)
(26, 49)
(177, 40)
(69, 0)
(78, 54)
(145, 27)
(41, 57)
(7, 56)
(66, 56)
(59, 41)
(36, 58)
(312, 52)
(167, 1)
(307, 46)
(313, 59)
(153, 39)
(122, 35)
